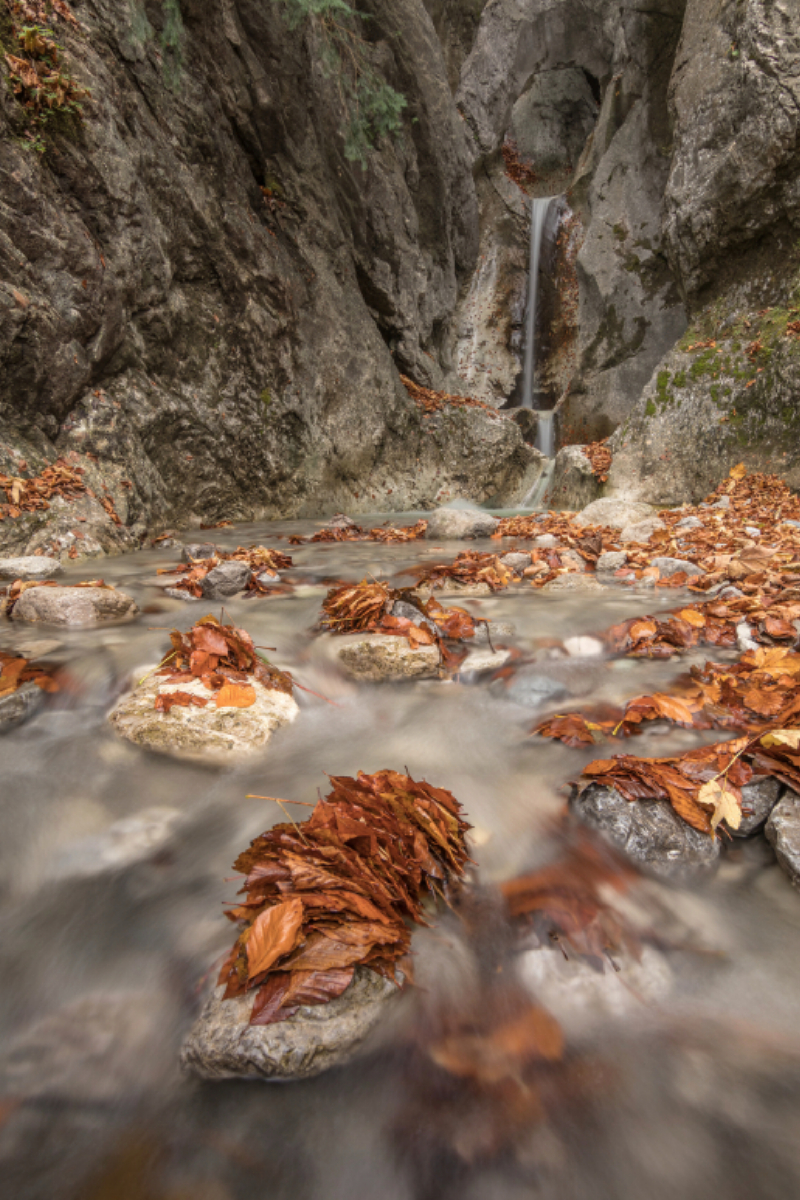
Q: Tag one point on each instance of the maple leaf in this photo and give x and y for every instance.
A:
(719, 795)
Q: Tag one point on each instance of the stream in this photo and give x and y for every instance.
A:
(686, 1093)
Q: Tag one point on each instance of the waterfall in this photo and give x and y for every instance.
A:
(539, 209)
(544, 433)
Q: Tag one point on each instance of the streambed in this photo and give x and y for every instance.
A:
(105, 958)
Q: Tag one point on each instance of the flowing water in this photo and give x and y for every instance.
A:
(540, 207)
(680, 1091)
(545, 437)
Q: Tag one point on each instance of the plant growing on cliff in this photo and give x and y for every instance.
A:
(373, 108)
(38, 74)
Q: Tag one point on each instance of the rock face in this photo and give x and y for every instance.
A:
(574, 484)
(30, 567)
(783, 832)
(221, 1044)
(648, 831)
(460, 522)
(73, 605)
(373, 657)
(210, 734)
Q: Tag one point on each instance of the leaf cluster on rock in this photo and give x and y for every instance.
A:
(599, 456)
(19, 586)
(30, 495)
(339, 890)
(15, 670)
(432, 402)
(259, 559)
(388, 534)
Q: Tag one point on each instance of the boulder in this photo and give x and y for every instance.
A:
(516, 560)
(612, 560)
(30, 566)
(373, 657)
(222, 1045)
(212, 734)
(341, 521)
(650, 832)
(641, 531)
(460, 521)
(758, 800)
(783, 833)
(73, 605)
(226, 580)
(574, 483)
(672, 566)
(19, 705)
(615, 513)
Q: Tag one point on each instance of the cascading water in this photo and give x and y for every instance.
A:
(539, 209)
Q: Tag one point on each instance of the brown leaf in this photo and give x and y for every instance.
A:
(273, 935)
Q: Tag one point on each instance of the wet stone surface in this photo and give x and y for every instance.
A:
(73, 606)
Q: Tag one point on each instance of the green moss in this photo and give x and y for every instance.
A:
(714, 392)
(266, 398)
(679, 379)
(650, 409)
(706, 364)
(620, 232)
(663, 394)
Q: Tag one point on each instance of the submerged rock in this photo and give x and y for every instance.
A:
(783, 832)
(373, 657)
(198, 550)
(211, 734)
(490, 631)
(484, 660)
(73, 605)
(574, 582)
(650, 832)
(616, 513)
(758, 800)
(30, 566)
(222, 1045)
(19, 705)
(457, 521)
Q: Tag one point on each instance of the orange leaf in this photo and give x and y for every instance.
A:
(236, 695)
(273, 934)
(673, 709)
(692, 617)
(739, 471)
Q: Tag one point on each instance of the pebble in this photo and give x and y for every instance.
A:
(584, 647)
(612, 560)
(752, 532)
(545, 541)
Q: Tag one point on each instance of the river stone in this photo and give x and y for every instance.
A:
(516, 560)
(545, 541)
(783, 832)
(211, 734)
(690, 523)
(610, 561)
(671, 566)
(584, 647)
(73, 605)
(402, 608)
(225, 580)
(198, 550)
(484, 660)
(181, 594)
(341, 521)
(491, 631)
(222, 1045)
(125, 844)
(616, 513)
(641, 531)
(574, 582)
(31, 566)
(650, 832)
(760, 797)
(453, 521)
(21, 704)
(373, 657)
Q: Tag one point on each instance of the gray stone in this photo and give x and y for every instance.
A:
(492, 631)
(402, 608)
(615, 513)
(672, 566)
(517, 560)
(752, 531)
(783, 832)
(744, 637)
(225, 580)
(181, 594)
(341, 521)
(215, 735)
(610, 561)
(574, 484)
(478, 661)
(641, 531)
(222, 1045)
(20, 705)
(545, 541)
(453, 521)
(690, 523)
(584, 647)
(32, 566)
(373, 657)
(533, 685)
(198, 550)
(724, 502)
(573, 582)
(571, 560)
(73, 605)
(730, 593)
(758, 800)
(650, 832)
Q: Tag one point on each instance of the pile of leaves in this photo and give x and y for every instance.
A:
(224, 659)
(259, 559)
(762, 689)
(599, 456)
(16, 670)
(468, 568)
(367, 608)
(520, 173)
(432, 402)
(337, 890)
(29, 495)
(388, 534)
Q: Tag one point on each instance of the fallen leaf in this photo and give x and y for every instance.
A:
(273, 935)
(719, 795)
(236, 695)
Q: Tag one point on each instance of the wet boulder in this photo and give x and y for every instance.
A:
(222, 1045)
(212, 733)
(616, 513)
(375, 657)
(30, 566)
(73, 605)
(783, 833)
(758, 800)
(225, 580)
(460, 521)
(574, 482)
(198, 550)
(649, 832)
(18, 706)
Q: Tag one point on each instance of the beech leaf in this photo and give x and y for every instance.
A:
(718, 794)
(273, 934)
